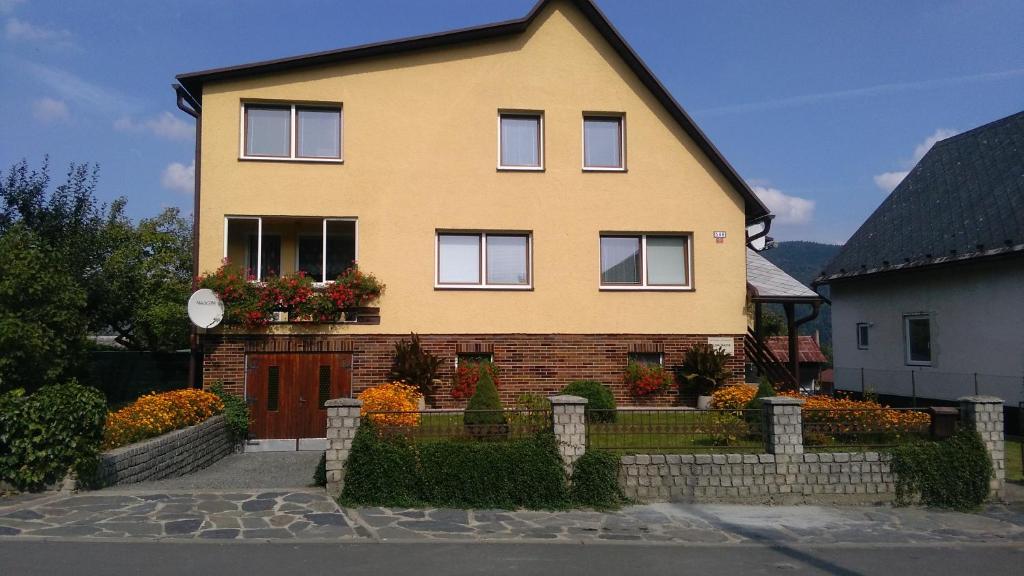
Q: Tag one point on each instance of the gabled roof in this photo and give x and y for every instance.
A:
(754, 208)
(769, 283)
(807, 349)
(964, 200)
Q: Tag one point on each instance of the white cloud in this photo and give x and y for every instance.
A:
(8, 6)
(50, 110)
(165, 125)
(787, 209)
(179, 177)
(17, 30)
(889, 180)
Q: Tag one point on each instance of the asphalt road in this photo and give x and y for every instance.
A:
(52, 558)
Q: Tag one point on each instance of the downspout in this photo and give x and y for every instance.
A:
(793, 326)
(189, 105)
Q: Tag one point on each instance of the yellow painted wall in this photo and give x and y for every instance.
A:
(420, 139)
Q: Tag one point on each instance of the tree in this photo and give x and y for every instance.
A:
(146, 280)
(42, 313)
(135, 278)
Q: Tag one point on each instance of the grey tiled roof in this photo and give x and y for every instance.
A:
(963, 200)
(767, 280)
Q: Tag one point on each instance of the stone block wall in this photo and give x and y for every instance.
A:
(536, 363)
(173, 454)
(985, 415)
(857, 477)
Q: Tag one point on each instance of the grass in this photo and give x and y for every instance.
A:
(675, 433)
(1013, 461)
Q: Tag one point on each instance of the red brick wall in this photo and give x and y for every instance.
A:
(537, 363)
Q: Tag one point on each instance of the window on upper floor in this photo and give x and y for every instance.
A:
(520, 141)
(917, 339)
(272, 246)
(483, 260)
(863, 335)
(603, 142)
(291, 132)
(645, 261)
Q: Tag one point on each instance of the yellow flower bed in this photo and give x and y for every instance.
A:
(155, 414)
(392, 397)
(840, 415)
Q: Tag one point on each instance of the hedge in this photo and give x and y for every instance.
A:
(394, 471)
(45, 435)
(595, 480)
(953, 473)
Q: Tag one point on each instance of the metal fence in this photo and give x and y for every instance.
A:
(675, 430)
(453, 424)
(916, 383)
(835, 428)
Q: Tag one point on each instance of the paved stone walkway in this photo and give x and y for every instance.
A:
(309, 515)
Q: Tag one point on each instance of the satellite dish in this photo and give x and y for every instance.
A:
(205, 308)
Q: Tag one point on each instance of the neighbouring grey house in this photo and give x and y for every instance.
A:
(928, 295)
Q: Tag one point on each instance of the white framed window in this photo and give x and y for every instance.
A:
(520, 140)
(604, 142)
(917, 339)
(646, 358)
(322, 256)
(646, 261)
(863, 335)
(306, 132)
(473, 260)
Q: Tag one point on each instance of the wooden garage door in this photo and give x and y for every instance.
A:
(286, 392)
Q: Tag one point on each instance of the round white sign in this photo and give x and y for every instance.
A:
(205, 309)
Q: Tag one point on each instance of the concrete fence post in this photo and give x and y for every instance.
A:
(342, 422)
(984, 414)
(783, 425)
(568, 420)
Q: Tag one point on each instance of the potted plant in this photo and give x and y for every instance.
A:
(645, 380)
(705, 367)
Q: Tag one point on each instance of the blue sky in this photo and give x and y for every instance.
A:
(820, 105)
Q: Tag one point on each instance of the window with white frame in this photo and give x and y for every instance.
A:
(863, 335)
(652, 261)
(291, 132)
(483, 260)
(520, 140)
(324, 249)
(603, 142)
(917, 339)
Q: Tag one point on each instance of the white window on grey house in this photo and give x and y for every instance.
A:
(603, 143)
(291, 132)
(483, 260)
(651, 261)
(520, 141)
(863, 335)
(918, 339)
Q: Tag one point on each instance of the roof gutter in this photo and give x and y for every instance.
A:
(767, 219)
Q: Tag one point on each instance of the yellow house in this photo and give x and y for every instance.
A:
(526, 190)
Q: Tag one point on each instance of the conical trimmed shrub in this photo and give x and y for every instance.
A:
(484, 417)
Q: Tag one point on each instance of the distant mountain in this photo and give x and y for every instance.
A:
(804, 261)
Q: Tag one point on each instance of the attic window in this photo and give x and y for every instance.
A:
(603, 142)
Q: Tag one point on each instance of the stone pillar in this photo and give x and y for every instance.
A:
(783, 425)
(984, 414)
(570, 428)
(342, 422)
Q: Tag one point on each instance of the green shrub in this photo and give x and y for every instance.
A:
(320, 474)
(953, 473)
(523, 473)
(236, 412)
(45, 435)
(484, 417)
(595, 480)
(753, 414)
(380, 471)
(598, 396)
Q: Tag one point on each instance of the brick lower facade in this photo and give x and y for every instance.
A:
(536, 363)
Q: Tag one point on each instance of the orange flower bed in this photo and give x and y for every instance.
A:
(834, 415)
(392, 397)
(155, 414)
